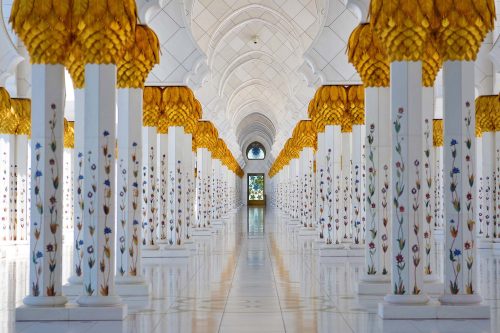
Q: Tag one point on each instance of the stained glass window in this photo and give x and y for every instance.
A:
(256, 151)
(256, 187)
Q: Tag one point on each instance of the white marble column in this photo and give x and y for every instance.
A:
(407, 177)
(203, 180)
(488, 203)
(76, 277)
(460, 264)
(358, 216)
(307, 183)
(345, 210)
(45, 280)
(176, 169)
(22, 187)
(188, 184)
(429, 262)
(378, 192)
(149, 188)
(129, 180)
(320, 186)
(99, 174)
(7, 163)
(333, 167)
(162, 209)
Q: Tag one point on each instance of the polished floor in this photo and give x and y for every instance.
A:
(252, 277)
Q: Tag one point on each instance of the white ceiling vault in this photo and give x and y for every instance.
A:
(253, 64)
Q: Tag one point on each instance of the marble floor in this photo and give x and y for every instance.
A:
(252, 277)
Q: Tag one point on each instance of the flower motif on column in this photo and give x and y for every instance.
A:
(37, 252)
(415, 191)
(372, 206)
(427, 200)
(401, 261)
(91, 261)
(105, 264)
(52, 247)
(385, 219)
(178, 187)
(163, 197)
(134, 244)
(122, 194)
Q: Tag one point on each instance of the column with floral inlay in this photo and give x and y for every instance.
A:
(459, 51)
(404, 37)
(131, 74)
(152, 101)
(99, 184)
(205, 137)
(180, 108)
(8, 127)
(370, 60)
(355, 103)
(47, 53)
(22, 108)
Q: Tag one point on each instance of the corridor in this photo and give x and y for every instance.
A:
(254, 276)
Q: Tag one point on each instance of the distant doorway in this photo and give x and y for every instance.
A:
(256, 189)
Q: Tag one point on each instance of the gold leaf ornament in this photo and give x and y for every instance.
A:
(151, 103)
(44, 28)
(22, 109)
(9, 119)
(437, 132)
(368, 56)
(138, 59)
(104, 28)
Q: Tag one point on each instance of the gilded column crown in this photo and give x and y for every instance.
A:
(304, 134)
(218, 149)
(291, 149)
(330, 103)
(44, 27)
(403, 26)
(431, 62)
(104, 28)
(22, 108)
(205, 135)
(151, 106)
(69, 134)
(437, 132)
(75, 65)
(9, 119)
(318, 122)
(463, 26)
(487, 107)
(368, 56)
(180, 108)
(356, 103)
(138, 59)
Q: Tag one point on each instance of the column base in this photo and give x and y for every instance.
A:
(167, 252)
(74, 287)
(45, 301)
(98, 301)
(201, 232)
(71, 312)
(460, 299)
(333, 250)
(496, 245)
(218, 224)
(134, 286)
(308, 232)
(484, 243)
(433, 311)
(374, 286)
(150, 247)
(433, 286)
(357, 247)
(190, 245)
